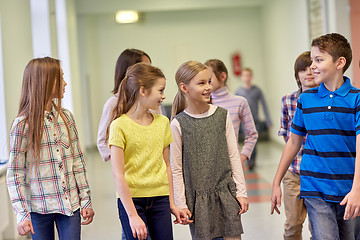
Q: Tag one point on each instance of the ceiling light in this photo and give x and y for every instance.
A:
(127, 16)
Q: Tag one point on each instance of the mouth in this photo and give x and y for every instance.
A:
(207, 94)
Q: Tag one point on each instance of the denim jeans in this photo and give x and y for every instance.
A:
(68, 227)
(327, 223)
(155, 212)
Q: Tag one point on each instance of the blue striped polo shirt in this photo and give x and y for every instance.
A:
(331, 121)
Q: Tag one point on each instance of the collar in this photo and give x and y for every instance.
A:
(342, 91)
(220, 92)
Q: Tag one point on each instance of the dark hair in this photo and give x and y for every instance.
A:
(301, 63)
(218, 67)
(137, 76)
(336, 46)
(126, 59)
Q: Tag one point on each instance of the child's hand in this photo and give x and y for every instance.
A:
(138, 227)
(244, 204)
(186, 218)
(275, 199)
(180, 214)
(88, 215)
(352, 201)
(24, 227)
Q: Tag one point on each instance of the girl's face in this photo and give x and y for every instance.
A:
(199, 88)
(215, 83)
(155, 95)
(63, 84)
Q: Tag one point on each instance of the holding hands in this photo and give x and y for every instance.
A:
(24, 227)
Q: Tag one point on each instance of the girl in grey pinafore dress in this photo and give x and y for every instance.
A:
(209, 187)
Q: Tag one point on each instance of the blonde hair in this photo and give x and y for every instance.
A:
(184, 74)
(137, 76)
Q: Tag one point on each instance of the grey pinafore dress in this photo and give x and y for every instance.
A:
(209, 187)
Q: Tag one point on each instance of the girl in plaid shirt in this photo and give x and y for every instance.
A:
(46, 176)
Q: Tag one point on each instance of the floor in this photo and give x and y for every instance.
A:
(257, 222)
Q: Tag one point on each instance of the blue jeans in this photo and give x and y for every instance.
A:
(155, 212)
(68, 227)
(327, 221)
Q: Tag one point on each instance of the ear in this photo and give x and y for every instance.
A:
(223, 76)
(340, 63)
(183, 87)
(142, 91)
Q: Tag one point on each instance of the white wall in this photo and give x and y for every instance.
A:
(286, 35)
(170, 38)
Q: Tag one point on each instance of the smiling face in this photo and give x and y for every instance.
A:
(199, 88)
(306, 79)
(155, 95)
(323, 66)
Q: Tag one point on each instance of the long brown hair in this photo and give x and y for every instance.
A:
(42, 83)
(184, 74)
(126, 59)
(137, 76)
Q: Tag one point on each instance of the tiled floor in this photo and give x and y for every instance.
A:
(257, 222)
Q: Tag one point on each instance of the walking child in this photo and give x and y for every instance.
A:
(46, 176)
(209, 181)
(329, 170)
(237, 106)
(253, 95)
(139, 142)
(295, 209)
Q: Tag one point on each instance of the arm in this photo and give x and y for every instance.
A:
(176, 166)
(15, 177)
(265, 108)
(103, 125)
(284, 120)
(137, 225)
(236, 166)
(292, 147)
(352, 199)
(175, 210)
(79, 169)
(251, 135)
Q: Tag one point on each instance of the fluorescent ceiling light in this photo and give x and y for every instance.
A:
(127, 16)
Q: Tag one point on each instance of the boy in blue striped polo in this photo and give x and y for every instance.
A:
(330, 117)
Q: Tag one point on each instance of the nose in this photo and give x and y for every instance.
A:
(312, 66)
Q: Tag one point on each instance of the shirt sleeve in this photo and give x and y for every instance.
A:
(176, 165)
(79, 167)
(103, 125)
(297, 125)
(357, 116)
(238, 173)
(116, 135)
(251, 135)
(15, 177)
(284, 118)
(168, 135)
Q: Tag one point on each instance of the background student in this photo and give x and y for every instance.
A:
(139, 142)
(295, 208)
(329, 171)
(205, 159)
(46, 175)
(253, 95)
(237, 106)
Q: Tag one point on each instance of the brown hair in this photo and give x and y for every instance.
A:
(137, 76)
(302, 62)
(336, 46)
(184, 74)
(41, 77)
(126, 59)
(218, 67)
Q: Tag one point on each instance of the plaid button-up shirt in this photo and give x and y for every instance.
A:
(288, 108)
(57, 182)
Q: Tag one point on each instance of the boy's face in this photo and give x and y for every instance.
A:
(323, 66)
(306, 79)
(246, 76)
